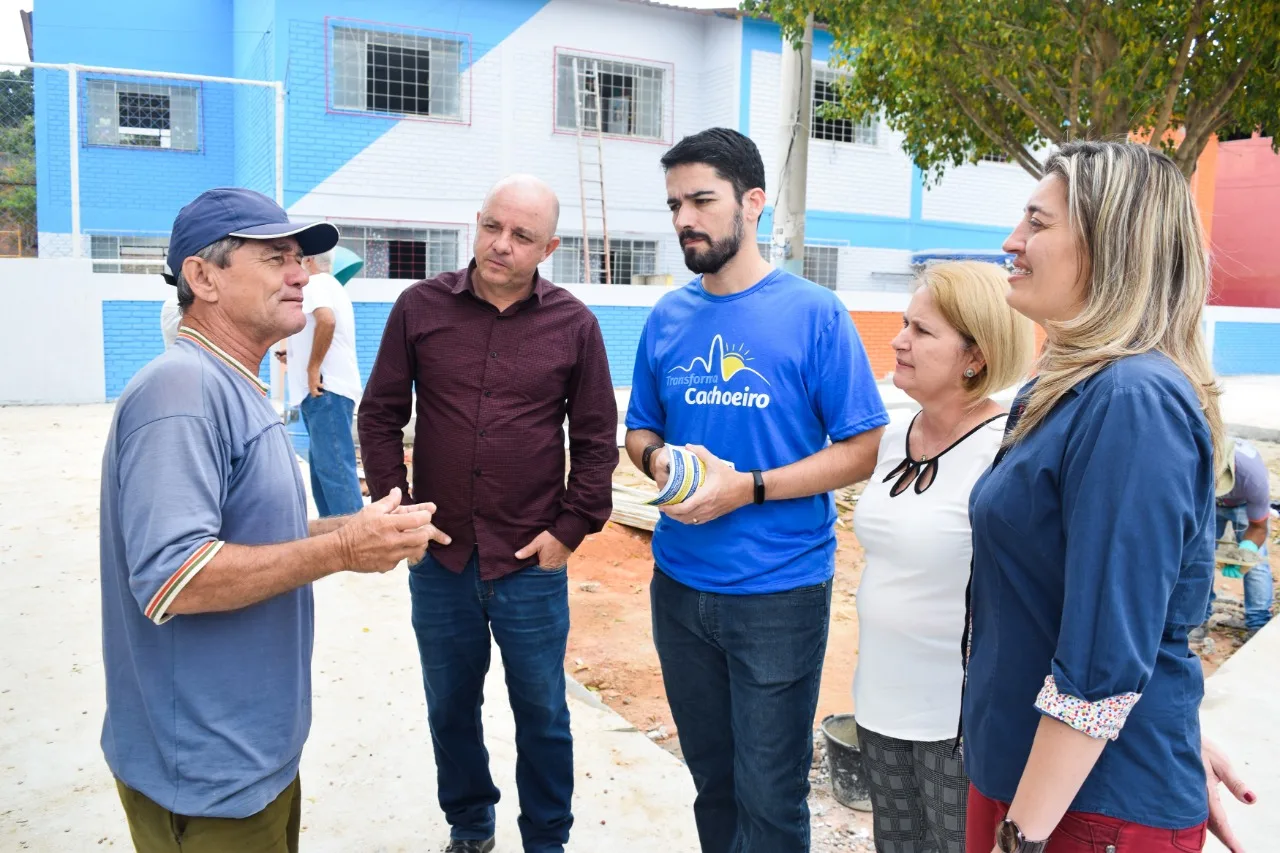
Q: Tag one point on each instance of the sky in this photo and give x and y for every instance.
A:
(13, 45)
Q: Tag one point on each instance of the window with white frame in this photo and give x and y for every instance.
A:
(402, 253)
(621, 98)
(998, 157)
(627, 259)
(821, 263)
(396, 73)
(143, 115)
(126, 253)
(826, 91)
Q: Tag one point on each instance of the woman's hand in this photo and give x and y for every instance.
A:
(1218, 770)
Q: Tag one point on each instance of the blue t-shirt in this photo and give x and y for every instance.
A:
(206, 713)
(761, 378)
(1092, 559)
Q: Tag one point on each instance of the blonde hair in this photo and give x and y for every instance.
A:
(970, 295)
(1137, 227)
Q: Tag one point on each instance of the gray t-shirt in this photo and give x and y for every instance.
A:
(1253, 483)
(206, 713)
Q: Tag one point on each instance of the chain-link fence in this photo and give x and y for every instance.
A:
(17, 165)
(95, 162)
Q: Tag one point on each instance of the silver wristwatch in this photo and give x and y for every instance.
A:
(1009, 839)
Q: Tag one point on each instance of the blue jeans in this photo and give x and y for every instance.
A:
(335, 486)
(742, 674)
(528, 613)
(1258, 588)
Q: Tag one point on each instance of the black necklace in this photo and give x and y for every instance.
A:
(922, 473)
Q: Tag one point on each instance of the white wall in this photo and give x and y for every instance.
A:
(843, 176)
(982, 193)
(437, 172)
(51, 327)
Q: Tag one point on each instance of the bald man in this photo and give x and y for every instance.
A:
(498, 357)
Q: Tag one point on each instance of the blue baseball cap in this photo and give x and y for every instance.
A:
(236, 212)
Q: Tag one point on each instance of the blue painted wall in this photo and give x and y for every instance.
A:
(131, 338)
(253, 43)
(621, 326)
(1240, 348)
(126, 189)
(371, 319)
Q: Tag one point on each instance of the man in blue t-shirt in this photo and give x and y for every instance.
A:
(755, 369)
(207, 556)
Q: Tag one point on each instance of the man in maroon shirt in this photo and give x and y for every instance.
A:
(498, 357)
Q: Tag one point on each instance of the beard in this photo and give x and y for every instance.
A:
(718, 252)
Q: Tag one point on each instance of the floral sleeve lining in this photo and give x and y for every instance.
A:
(1101, 719)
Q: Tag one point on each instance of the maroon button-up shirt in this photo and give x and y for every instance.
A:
(493, 390)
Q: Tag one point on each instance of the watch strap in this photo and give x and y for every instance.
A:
(645, 457)
(757, 477)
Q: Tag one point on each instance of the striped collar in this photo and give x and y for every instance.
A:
(190, 334)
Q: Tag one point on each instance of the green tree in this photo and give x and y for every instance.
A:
(18, 157)
(966, 78)
(17, 100)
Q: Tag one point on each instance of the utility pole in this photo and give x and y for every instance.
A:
(787, 249)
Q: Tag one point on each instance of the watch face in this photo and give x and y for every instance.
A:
(1008, 838)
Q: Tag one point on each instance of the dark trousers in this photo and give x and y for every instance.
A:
(528, 615)
(742, 675)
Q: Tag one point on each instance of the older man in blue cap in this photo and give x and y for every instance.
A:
(207, 556)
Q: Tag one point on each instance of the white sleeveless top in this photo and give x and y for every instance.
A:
(911, 599)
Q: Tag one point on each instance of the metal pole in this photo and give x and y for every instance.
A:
(73, 122)
(280, 144)
(793, 137)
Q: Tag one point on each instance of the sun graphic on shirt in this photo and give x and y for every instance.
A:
(724, 360)
(731, 363)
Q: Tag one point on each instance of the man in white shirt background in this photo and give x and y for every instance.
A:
(324, 382)
(170, 319)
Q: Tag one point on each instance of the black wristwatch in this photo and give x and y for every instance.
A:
(758, 478)
(1009, 839)
(644, 459)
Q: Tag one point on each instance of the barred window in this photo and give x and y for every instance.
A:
(821, 263)
(396, 73)
(143, 115)
(627, 259)
(402, 253)
(623, 98)
(826, 91)
(127, 253)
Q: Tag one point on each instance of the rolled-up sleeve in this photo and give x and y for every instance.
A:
(1131, 477)
(172, 480)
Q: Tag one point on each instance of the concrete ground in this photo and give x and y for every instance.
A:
(368, 778)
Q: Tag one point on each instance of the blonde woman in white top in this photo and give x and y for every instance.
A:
(960, 343)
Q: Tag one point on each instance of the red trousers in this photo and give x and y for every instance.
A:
(1081, 832)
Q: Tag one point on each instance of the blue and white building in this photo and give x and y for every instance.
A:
(399, 114)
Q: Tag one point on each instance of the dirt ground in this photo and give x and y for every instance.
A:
(611, 649)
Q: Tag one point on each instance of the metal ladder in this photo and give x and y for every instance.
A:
(587, 102)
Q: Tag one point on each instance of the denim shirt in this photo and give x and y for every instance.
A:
(1093, 558)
